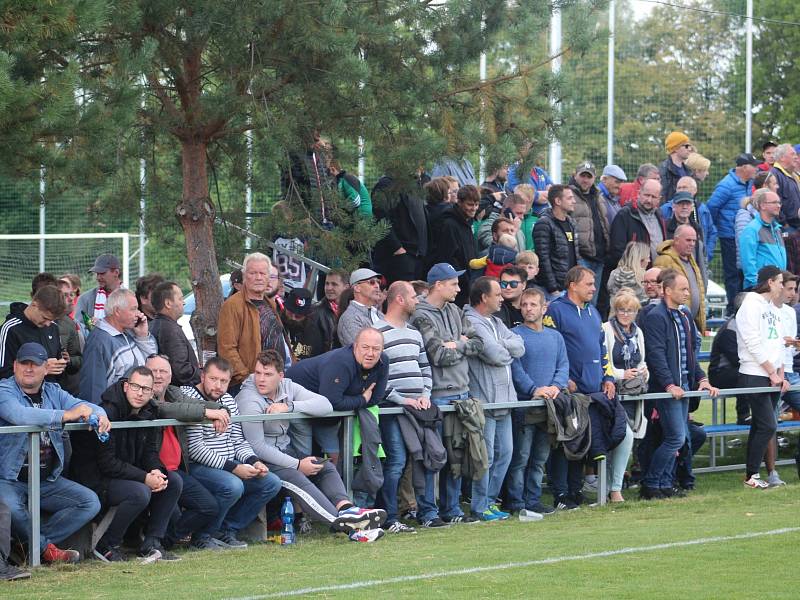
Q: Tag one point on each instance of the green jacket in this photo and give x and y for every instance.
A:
(356, 193)
(463, 439)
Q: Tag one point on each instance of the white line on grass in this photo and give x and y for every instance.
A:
(516, 565)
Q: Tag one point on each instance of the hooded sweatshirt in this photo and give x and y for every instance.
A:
(582, 330)
(18, 330)
(490, 371)
(270, 439)
(758, 335)
(449, 368)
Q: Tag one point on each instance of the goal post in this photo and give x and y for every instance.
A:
(24, 255)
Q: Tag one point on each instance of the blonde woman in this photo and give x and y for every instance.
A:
(630, 270)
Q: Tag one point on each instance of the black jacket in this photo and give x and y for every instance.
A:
(669, 178)
(629, 227)
(663, 345)
(553, 249)
(173, 343)
(128, 454)
(18, 330)
(320, 332)
(609, 424)
(402, 206)
(723, 368)
(455, 244)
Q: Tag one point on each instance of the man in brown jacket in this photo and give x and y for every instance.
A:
(249, 322)
(678, 254)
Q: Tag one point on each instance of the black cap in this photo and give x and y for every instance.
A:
(769, 144)
(747, 159)
(299, 301)
(682, 197)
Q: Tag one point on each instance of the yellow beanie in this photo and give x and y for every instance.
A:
(674, 140)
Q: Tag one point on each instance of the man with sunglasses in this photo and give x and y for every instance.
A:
(512, 284)
(363, 310)
(678, 147)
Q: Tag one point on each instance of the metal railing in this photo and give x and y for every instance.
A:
(34, 483)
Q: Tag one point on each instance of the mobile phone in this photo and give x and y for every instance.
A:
(139, 321)
(508, 213)
(321, 461)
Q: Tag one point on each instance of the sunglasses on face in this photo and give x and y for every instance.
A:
(510, 284)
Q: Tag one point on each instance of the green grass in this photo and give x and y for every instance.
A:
(720, 506)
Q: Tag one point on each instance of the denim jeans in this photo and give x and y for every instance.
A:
(70, 505)
(200, 508)
(673, 415)
(618, 461)
(565, 476)
(239, 500)
(393, 465)
(449, 486)
(683, 475)
(499, 446)
(595, 267)
(526, 471)
(733, 278)
(792, 398)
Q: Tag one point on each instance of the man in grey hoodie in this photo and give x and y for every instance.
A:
(313, 483)
(490, 382)
(449, 339)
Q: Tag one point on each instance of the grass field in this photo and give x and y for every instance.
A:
(743, 567)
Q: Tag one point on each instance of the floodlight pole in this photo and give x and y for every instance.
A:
(482, 156)
(248, 190)
(748, 94)
(42, 215)
(610, 127)
(555, 68)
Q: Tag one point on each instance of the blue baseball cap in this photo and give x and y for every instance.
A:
(614, 171)
(32, 352)
(442, 272)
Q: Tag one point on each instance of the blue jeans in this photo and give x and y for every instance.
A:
(200, 508)
(449, 486)
(683, 475)
(595, 267)
(673, 415)
(239, 500)
(70, 505)
(526, 471)
(618, 461)
(393, 465)
(792, 398)
(499, 446)
(733, 279)
(565, 476)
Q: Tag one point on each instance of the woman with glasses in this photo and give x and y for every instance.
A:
(625, 345)
(630, 270)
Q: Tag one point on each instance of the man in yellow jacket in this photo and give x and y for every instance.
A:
(678, 254)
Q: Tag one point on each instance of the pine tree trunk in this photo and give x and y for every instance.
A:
(196, 215)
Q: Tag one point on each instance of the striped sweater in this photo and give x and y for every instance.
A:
(218, 450)
(409, 370)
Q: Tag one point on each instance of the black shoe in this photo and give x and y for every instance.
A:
(110, 554)
(461, 520)
(564, 502)
(648, 493)
(689, 487)
(10, 573)
(434, 523)
(673, 492)
(578, 498)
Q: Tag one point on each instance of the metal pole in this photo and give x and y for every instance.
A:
(362, 159)
(482, 156)
(126, 272)
(610, 127)
(748, 93)
(34, 494)
(248, 190)
(602, 481)
(555, 67)
(347, 454)
(42, 215)
(142, 198)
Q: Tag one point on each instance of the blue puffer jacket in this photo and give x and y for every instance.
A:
(726, 201)
(703, 216)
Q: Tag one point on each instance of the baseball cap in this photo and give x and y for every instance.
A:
(442, 272)
(360, 275)
(299, 301)
(747, 159)
(614, 171)
(586, 167)
(105, 262)
(32, 352)
(682, 197)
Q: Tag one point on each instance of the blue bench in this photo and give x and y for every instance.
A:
(732, 428)
(727, 429)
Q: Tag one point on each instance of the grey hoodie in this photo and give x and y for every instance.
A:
(490, 371)
(449, 368)
(270, 439)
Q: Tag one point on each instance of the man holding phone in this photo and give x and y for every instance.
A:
(312, 482)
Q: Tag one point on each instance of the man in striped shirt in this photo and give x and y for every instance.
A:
(225, 463)
(409, 384)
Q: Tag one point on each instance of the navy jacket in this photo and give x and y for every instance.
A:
(337, 376)
(661, 339)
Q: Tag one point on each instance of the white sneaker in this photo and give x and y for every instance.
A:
(774, 479)
(526, 515)
(398, 527)
(756, 482)
(366, 535)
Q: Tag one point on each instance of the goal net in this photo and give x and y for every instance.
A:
(22, 256)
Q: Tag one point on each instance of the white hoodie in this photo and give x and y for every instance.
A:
(758, 335)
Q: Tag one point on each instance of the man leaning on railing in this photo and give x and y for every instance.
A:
(25, 399)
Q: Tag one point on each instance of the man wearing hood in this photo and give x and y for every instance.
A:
(126, 472)
(449, 339)
(490, 382)
(313, 483)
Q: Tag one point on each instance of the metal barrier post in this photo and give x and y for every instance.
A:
(33, 499)
(602, 481)
(347, 454)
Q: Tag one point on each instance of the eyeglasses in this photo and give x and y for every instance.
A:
(371, 282)
(651, 282)
(626, 311)
(510, 284)
(140, 388)
(688, 146)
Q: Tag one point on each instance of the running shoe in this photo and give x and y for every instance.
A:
(756, 482)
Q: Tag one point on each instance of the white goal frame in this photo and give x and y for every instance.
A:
(43, 237)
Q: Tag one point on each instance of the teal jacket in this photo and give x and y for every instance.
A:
(354, 191)
(760, 244)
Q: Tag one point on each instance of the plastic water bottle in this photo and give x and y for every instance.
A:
(94, 423)
(287, 516)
